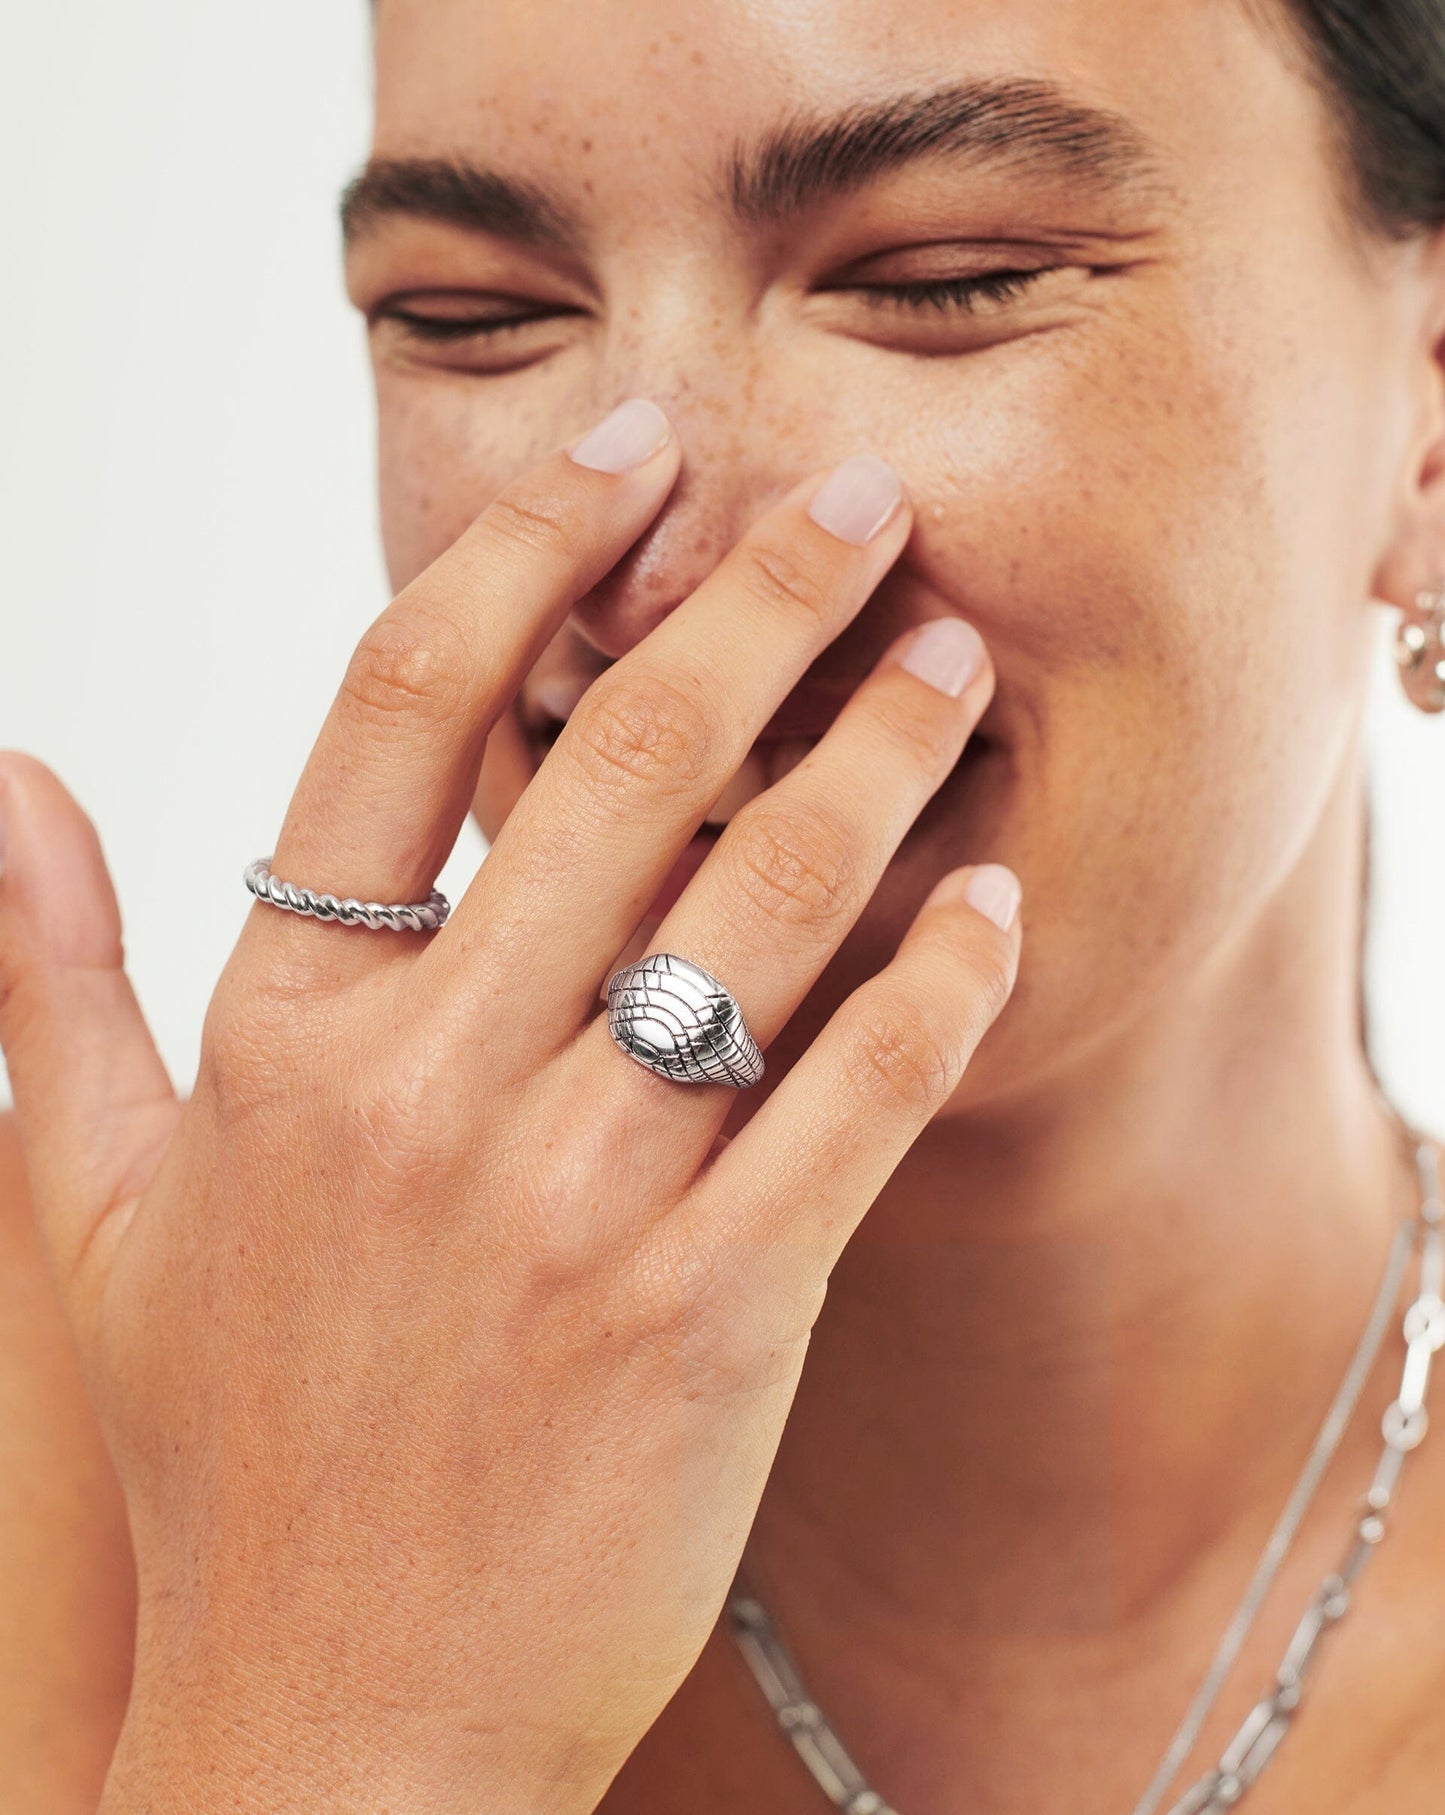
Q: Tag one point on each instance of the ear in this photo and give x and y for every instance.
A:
(1415, 560)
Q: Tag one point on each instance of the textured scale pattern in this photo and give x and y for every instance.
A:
(675, 1018)
(396, 916)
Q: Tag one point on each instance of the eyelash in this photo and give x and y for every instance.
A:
(946, 293)
(942, 294)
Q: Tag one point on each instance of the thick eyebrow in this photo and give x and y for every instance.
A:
(461, 195)
(1032, 124)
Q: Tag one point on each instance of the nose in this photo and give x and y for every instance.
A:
(740, 453)
(706, 513)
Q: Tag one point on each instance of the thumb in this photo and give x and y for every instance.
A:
(94, 1104)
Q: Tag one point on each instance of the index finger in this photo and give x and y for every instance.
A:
(390, 779)
(657, 738)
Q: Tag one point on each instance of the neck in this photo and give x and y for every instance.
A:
(1084, 1339)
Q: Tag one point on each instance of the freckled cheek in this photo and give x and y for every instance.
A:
(1076, 508)
(441, 458)
(1108, 533)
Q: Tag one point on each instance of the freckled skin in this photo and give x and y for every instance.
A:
(1167, 494)
(1170, 562)
(1171, 494)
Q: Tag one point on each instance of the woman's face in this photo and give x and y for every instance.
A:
(1163, 475)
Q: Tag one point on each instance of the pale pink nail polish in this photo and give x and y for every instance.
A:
(995, 891)
(947, 653)
(857, 499)
(630, 436)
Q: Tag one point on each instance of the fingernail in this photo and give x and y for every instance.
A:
(947, 653)
(994, 890)
(630, 436)
(857, 499)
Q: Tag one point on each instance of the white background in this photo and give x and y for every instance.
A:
(186, 479)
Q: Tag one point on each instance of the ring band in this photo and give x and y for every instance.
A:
(676, 1019)
(396, 916)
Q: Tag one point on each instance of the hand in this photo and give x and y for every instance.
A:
(442, 1349)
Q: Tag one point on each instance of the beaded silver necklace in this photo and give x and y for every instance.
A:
(1271, 1717)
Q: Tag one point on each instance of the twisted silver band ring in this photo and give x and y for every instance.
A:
(396, 916)
(676, 1019)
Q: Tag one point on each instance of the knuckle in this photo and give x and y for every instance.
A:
(386, 1117)
(692, 1318)
(563, 1239)
(412, 663)
(570, 1247)
(668, 1289)
(899, 1056)
(642, 733)
(533, 523)
(240, 1069)
(259, 1034)
(796, 868)
(781, 579)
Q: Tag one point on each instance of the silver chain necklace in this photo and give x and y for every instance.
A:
(1267, 1722)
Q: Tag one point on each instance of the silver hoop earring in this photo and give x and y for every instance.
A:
(1420, 650)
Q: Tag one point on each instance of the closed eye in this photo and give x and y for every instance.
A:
(965, 294)
(494, 332)
(442, 330)
(951, 293)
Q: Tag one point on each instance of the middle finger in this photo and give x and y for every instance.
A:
(656, 739)
(796, 867)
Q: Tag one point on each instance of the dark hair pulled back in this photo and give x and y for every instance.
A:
(1383, 66)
